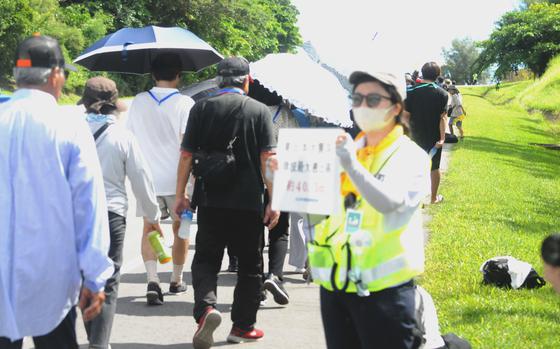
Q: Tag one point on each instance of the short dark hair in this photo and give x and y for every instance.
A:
(550, 250)
(431, 71)
(166, 66)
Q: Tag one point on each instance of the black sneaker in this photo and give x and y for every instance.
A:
(154, 295)
(273, 285)
(177, 288)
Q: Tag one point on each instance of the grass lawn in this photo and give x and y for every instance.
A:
(502, 197)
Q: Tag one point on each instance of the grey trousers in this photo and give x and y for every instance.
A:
(99, 329)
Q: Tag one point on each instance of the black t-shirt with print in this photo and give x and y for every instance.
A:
(425, 103)
(211, 126)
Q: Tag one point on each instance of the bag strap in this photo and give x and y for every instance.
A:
(100, 131)
(233, 137)
(236, 125)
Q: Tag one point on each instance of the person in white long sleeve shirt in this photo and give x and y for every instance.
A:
(54, 231)
(120, 157)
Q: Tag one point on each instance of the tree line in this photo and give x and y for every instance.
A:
(251, 28)
(524, 39)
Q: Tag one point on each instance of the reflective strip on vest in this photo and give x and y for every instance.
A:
(321, 274)
(383, 270)
(367, 275)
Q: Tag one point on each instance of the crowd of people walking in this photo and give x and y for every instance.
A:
(64, 203)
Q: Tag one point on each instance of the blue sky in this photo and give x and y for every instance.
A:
(407, 33)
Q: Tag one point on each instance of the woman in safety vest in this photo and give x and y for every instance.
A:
(366, 257)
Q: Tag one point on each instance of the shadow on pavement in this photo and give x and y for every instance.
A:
(136, 306)
(150, 346)
(224, 279)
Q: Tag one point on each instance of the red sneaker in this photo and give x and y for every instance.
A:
(238, 335)
(203, 337)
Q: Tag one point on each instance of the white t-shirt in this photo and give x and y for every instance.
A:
(158, 119)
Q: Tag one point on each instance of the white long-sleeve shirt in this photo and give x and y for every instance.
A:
(120, 156)
(53, 217)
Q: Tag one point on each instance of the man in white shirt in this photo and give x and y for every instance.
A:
(158, 119)
(54, 233)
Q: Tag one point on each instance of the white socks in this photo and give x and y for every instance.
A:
(151, 270)
(177, 274)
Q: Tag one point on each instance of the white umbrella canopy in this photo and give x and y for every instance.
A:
(305, 84)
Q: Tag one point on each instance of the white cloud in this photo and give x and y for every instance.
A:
(409, 32)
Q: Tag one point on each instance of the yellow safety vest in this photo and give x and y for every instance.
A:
(380, 258)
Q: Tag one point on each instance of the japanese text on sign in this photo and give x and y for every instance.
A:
(308, 178)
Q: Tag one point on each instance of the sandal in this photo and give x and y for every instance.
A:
(439, 199)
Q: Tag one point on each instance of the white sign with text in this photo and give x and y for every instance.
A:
(308, 175)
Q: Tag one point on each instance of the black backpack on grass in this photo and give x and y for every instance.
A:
(497, 271)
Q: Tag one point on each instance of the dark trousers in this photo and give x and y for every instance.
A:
(278, 245)
(99, 329)
(62, 337)
(242, 232)
(385, 319)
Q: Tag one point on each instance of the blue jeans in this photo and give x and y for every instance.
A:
(99, 329)
(384, 319)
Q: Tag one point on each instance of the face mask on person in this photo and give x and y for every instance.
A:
(371, 119)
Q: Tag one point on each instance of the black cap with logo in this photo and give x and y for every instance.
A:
(42, 52)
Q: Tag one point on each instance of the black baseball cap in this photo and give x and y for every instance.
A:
(40, 51)
(233, 66)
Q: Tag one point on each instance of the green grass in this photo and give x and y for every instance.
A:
(544, 94)
(502, 197)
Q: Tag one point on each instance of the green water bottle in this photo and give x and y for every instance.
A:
(157, 245)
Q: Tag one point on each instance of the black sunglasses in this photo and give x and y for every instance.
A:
(372, 99)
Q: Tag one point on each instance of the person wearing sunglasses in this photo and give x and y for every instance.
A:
(366, 257)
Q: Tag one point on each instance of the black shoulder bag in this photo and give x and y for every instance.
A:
(216, 169)
(100, 131)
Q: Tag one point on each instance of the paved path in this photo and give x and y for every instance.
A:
(171, 326)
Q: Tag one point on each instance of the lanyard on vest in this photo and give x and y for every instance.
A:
(362, 290)
(160, 101)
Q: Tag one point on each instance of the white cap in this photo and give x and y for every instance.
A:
(396, 80)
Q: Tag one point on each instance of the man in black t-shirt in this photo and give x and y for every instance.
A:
(233, 216)
(426, 104)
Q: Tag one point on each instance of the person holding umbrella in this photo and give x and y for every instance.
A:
(158, 119)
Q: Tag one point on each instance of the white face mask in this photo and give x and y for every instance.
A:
(369, 119)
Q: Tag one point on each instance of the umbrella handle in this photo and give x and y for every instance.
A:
(124, 52)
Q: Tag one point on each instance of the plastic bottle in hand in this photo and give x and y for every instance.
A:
(157, 245)
(185, 228)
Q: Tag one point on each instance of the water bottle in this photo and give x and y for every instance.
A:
(185, 227)
(157, 245)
